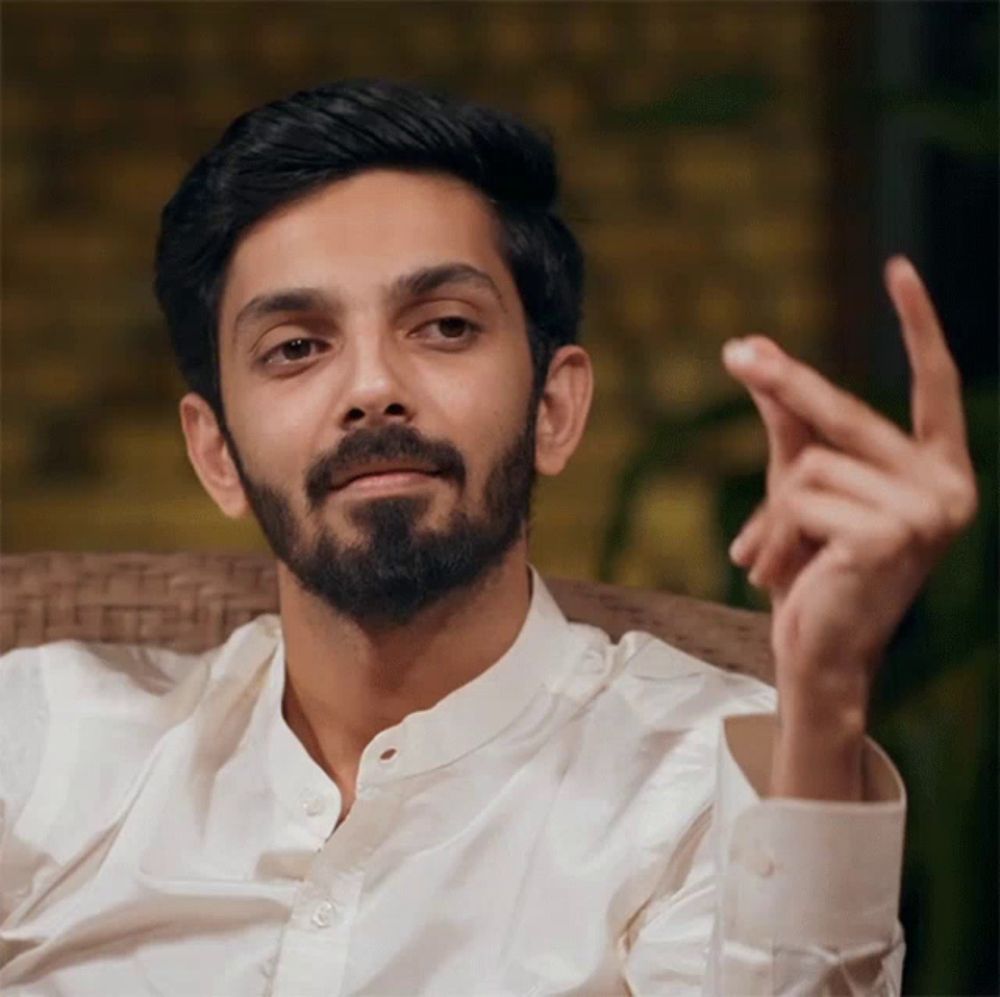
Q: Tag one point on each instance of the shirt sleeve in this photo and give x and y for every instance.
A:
(23, 722)
(782, 896)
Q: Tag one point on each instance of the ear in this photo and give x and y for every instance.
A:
(210, 457)
(563, 408)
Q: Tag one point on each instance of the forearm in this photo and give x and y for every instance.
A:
(819, 745)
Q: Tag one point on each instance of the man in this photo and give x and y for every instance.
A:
(422, 778)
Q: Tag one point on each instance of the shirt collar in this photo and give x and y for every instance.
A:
(541, 657)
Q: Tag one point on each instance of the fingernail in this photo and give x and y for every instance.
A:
(901, 263)
(739, 352)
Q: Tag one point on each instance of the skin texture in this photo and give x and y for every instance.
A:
(379, 360)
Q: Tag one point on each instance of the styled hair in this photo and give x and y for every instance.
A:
(287, 149)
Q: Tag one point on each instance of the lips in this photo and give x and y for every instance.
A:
(379, 467)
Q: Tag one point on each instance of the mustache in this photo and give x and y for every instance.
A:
(390, 443)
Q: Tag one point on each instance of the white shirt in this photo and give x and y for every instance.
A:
(575, 820)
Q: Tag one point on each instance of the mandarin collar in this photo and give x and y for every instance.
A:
(542, 656)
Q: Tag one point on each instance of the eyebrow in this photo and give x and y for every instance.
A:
(418, 282)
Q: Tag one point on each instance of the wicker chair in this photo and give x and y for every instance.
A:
(192, 602)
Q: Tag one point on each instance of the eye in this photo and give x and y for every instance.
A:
(290, 351)
(454, 328)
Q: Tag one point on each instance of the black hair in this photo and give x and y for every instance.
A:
(284, 150)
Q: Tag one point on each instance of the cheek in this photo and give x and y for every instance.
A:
(494, 390)
(274, 434)
(483, 418)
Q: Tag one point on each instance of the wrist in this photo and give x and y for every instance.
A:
(819, 745)
(834, 701)
(810, 764)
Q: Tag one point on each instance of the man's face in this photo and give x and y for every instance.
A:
(376, 378)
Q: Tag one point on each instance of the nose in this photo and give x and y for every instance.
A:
(375, 392)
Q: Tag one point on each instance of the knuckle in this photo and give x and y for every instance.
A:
(847, 556)
(958, 501)
(882, 540)
(811, 463)
(897, 536)
(928, 525)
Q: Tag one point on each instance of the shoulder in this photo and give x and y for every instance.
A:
(665, 688)
(652, 724)
(77, 677)
(71, 704)
(128, 680)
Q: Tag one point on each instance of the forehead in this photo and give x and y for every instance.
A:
(361, 232)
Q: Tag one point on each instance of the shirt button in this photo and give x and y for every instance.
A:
(759, 862)
(313, 805)
(323, 914)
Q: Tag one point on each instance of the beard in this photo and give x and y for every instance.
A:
(398, 569)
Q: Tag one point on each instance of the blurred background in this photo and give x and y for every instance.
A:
(729, 167)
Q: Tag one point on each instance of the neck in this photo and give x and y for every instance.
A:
(346, 682)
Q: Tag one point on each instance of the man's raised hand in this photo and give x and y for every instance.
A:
(857, 511)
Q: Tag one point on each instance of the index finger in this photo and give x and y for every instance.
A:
(935, 394)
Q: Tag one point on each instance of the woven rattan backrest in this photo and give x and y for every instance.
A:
(192, 602)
